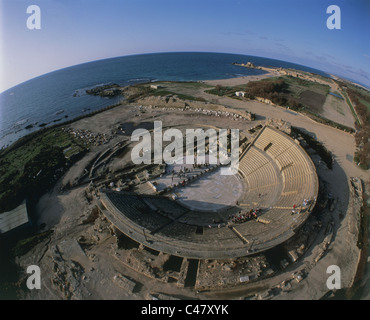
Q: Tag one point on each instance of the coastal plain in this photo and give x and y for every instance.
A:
(86, 257)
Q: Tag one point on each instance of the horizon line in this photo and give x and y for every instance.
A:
(169, 52)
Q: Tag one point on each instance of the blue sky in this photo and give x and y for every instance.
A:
(77, 31)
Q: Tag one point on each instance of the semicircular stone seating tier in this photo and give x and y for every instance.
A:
(278, 175)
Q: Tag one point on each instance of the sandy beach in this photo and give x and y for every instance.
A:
(100, 259)
(240, 80)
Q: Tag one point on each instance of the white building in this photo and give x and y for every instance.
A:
(156, 86)
(240, 93)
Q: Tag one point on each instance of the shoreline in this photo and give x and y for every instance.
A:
(104, 119)
(234, 81)
(238, 80)
(58, 121)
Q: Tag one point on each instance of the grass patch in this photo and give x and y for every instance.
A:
(222, 91)
(366, 103)
(344, 94)
(166, 88)
(360, 107)
(31, 165)
(164, 93)
(191, 85)
(287, 91)
(298, 85)
(25, 245)
(313, 100)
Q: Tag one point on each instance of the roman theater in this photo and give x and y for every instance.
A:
(191, 228)
(206, 215)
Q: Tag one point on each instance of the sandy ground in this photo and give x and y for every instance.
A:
(240, 80)
(64, 211)
(340, 143)
(344, 251)
(335, 109)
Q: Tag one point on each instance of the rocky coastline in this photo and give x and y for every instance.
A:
(109, 90)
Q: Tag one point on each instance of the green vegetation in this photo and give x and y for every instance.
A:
(171, 89)
(351, 107)
(361, 102)
(110, 90)
(324, 154)
(224, 91)
(363, 223)
(292, 92)
(275, 90)
(360, 99)
(29, 167)
(298, 85)
(25, 245)
(188, 85)
(338, 94)
(166, 88)
(287, 91)
(164, 93)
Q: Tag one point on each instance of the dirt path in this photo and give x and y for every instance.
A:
(65, 211)
(344, 251)
(340, 143)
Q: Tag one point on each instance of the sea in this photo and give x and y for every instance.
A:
(60, 96)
